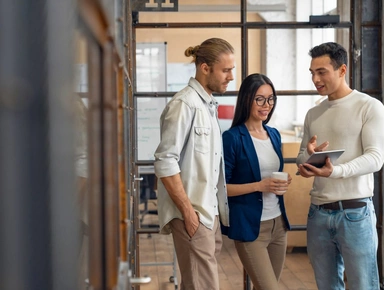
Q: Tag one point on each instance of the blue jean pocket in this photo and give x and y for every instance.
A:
(312, 211)
(357, 214)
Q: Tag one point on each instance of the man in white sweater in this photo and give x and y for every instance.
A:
(341, 228)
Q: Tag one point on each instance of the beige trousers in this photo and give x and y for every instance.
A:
(196, 256)
(263, 259)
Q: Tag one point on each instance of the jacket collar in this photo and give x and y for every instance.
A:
(249, 148)
(209, 99)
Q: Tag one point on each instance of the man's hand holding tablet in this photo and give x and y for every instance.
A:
(318, 159)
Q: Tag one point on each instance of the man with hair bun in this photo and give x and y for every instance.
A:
(192, 197)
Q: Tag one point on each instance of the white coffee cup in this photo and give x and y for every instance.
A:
(282, 176)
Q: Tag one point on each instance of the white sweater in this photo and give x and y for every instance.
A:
(354, 123)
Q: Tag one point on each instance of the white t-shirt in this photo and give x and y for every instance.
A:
(268, 162)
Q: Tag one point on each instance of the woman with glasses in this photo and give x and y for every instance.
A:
(252, 151)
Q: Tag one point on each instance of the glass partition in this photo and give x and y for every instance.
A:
(151, 66)
(293, 11)
(189, 11)
(171, 44)
(288, 116)
(282, 54)
(229, 11)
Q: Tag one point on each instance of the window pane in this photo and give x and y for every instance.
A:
(191, 11)
(294, 11)
(151, 67)
(282, 54)
(226, 111)
(288, 116)
(174, 75)
(196, 11)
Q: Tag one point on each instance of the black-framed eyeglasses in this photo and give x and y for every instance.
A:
(260, 101)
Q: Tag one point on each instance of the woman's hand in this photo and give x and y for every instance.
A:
(274, 185)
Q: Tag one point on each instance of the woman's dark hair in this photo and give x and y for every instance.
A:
(335, 51)
(246, 98)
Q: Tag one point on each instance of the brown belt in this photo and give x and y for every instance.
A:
(345, 204)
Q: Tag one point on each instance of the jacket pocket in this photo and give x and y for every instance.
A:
(202, 138)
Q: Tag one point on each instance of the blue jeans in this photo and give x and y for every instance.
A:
(343, 239)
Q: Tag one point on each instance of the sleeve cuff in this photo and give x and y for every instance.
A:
(165, 169)
(337, 172)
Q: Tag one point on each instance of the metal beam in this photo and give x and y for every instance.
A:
(233, 8)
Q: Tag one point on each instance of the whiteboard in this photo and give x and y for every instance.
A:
(151, 59)
(148, 126)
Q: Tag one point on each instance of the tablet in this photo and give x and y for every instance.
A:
(318, 158)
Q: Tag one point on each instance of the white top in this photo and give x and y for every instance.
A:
(355, 123)
(269, 162)
(191, 145)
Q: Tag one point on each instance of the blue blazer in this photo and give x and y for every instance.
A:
(242, 166)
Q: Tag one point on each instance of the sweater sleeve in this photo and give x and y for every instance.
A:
(303, 153)
(372, 138)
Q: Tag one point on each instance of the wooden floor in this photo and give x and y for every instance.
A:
(156, 248)
(297, 273)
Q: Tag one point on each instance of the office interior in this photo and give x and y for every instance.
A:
(83, 84)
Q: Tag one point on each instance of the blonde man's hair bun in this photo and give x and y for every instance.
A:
(209, 51)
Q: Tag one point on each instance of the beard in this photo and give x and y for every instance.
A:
(216, 86)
